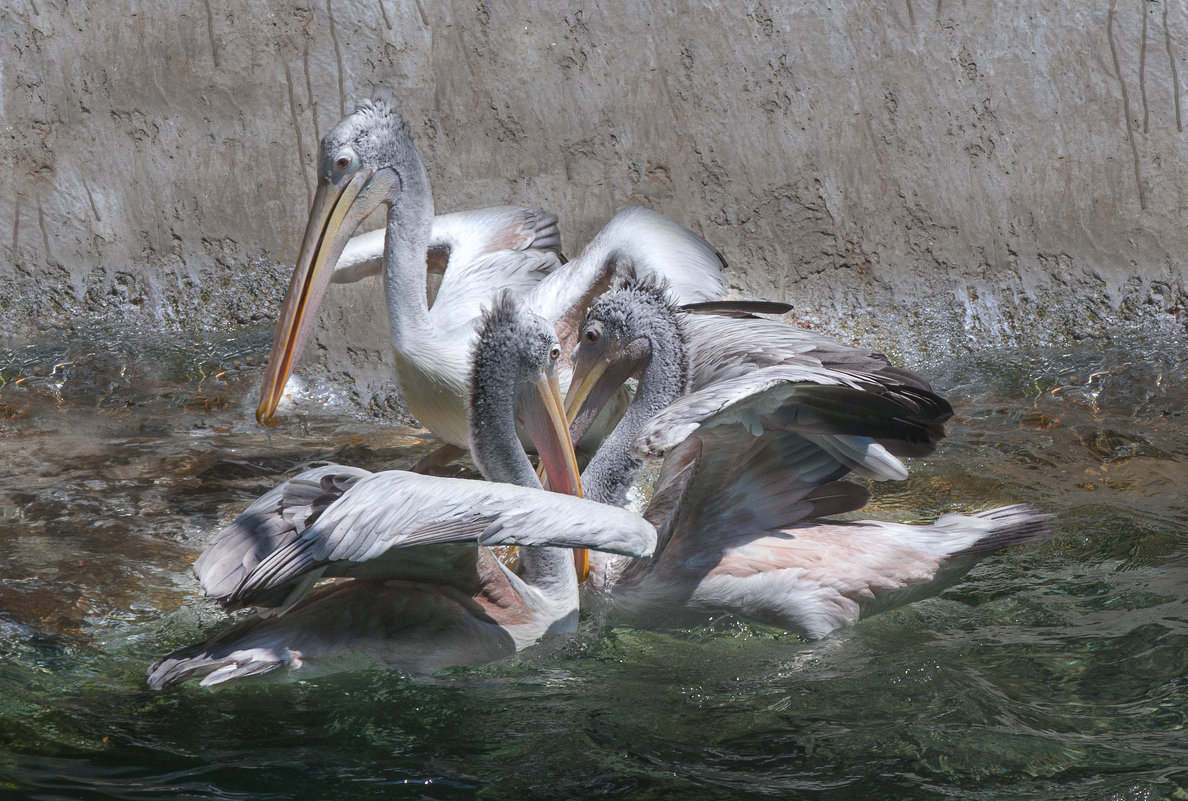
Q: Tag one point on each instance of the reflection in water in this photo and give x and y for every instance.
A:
(1056, 670)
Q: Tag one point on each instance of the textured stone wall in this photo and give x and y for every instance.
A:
(923, 176)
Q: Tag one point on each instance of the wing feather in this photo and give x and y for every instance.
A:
(462, 237)
(636, 243)
(385, 513)
(816, 403)
(468, 286)
(275, 519)
(771, 448)
(470, 235)
(746, 309)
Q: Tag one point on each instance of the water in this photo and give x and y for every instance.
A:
(1053, 671)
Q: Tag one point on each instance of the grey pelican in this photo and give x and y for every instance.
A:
(414, 598)
(753, 457)
(370, 159)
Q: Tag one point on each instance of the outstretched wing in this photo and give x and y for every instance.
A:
(489, 250)
(470, 235)
(275, 519)
(844, 415)
(762, 451)
(468, 286)
(365, 531)
(636, 243)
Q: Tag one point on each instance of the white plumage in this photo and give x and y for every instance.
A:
(369, 159)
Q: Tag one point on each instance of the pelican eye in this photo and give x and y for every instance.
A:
(591, 335)
(343, 161)
(555, 353)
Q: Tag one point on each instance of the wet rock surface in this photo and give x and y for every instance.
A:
(924, 177)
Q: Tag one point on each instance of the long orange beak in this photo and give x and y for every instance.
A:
(332, 219)
(596, 378)
(549, 432)
(597, 375)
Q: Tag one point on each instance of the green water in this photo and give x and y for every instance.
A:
(1057, 670)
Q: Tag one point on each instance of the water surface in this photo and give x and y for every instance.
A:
(1056, 670)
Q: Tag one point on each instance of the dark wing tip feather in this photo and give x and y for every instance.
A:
(270, 523)
(737, 308)
(835, 498)
(273, 574)
(1013, 525)
(218, 654)
(546, 233)
(905, 420)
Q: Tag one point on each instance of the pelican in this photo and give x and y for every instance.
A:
(369, 159)
(723, 340)
(413, 597)
(755, 441)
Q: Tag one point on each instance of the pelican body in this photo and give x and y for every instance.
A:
(418, 587)
(757, 424)
(369, 159)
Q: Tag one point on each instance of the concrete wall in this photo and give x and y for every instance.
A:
(919, 175)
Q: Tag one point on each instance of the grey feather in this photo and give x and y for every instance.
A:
(275, 519)
(860, 423)
(721, 347)
(386, 512)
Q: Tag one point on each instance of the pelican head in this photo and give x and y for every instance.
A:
(367, 159)
(624, 331)
(519, 348)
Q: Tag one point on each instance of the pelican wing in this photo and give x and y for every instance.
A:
(715, 487)
(665, 252)
(458, 238)
(362, 257)
(723, 493)
(489, 250)
(860, 423)
(468, 286)
(639, 243)
(470, 235)
(283, 514)
(722, 346)
(767, 449)
(386, 512)
(275, 519)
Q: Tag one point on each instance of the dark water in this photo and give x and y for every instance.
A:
(1054, 671)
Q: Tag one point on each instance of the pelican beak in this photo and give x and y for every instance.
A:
(548, 429)
(338, 208)
(597, 375)
(545, 422)
(581, 563)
